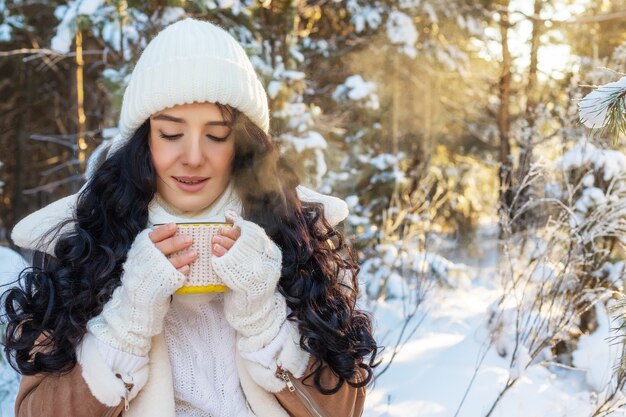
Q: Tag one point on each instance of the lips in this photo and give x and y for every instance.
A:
(190, 180)
(191, 184)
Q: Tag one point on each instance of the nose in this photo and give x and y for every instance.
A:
(192, 155)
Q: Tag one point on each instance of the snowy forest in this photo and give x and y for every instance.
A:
(479, 145)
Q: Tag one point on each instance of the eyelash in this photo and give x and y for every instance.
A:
(174, 137)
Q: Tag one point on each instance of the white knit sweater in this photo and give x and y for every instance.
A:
(201, 343)
(201, 346)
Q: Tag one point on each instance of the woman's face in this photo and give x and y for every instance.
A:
(192, 151)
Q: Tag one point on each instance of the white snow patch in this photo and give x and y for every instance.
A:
(543, 272)
(356, 88)
(293, 75)
(364, 17)
(171, 15)
(401, 31)
(611, 163)
(62, 40)
(451, 353)
(312, 140)
(596, 354)
(274, 88)
(11, 264)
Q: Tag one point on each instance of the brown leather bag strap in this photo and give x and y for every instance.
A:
(302, 399)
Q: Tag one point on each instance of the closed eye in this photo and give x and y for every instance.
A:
(178, 135)
(217, 139)
(170, 137)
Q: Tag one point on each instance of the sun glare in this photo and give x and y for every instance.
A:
(555, 59)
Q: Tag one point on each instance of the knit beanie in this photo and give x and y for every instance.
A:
(191, 61)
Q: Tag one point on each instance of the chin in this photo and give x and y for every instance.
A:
(190, 206)
(194, 203)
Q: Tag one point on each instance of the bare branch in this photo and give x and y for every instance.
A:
(52, 185)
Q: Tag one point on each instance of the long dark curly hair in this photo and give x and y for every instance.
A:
(47, 313)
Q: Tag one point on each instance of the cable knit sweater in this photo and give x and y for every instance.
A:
(200, 341)
(201, 346)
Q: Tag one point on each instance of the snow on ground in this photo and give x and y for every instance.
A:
(11, 263)
(433, 372)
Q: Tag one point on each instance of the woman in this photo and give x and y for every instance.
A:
(95, 326)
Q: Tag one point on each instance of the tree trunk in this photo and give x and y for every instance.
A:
(531, 88)
(280, 20)
(21, 137)
(81, 143)
(395, 113)
(526, 140)
(503, 111)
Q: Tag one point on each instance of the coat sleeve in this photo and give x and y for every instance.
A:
(91, 389)
(65, 395)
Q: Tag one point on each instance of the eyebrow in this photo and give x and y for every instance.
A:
(169, 118)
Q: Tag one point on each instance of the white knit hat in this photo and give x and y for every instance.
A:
(191, 61)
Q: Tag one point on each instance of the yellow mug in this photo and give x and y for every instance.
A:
(201, 278)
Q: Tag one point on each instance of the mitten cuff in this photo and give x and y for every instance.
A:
(258, 329)
(103, 383)
(120, 361)
(267, 355)
(148, 269)
(291, 358)
(116, 334)
(253, 263)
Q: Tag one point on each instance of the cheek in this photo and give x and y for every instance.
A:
(161, 155)
(224, 159)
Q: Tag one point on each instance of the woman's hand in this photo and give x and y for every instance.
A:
(224, 240)
(164, 239)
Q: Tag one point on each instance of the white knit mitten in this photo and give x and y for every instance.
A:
(251, 269)
(138, 306)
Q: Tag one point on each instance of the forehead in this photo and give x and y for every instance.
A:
(190, 113)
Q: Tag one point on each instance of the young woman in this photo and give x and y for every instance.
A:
(95, 328)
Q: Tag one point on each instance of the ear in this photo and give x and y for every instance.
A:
(335, 209)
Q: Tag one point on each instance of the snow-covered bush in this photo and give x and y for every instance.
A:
(400, 269)
(561, 270)
(598, 201)
(561, 277)
(301, 140)
(402, 32)
(549, 294)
